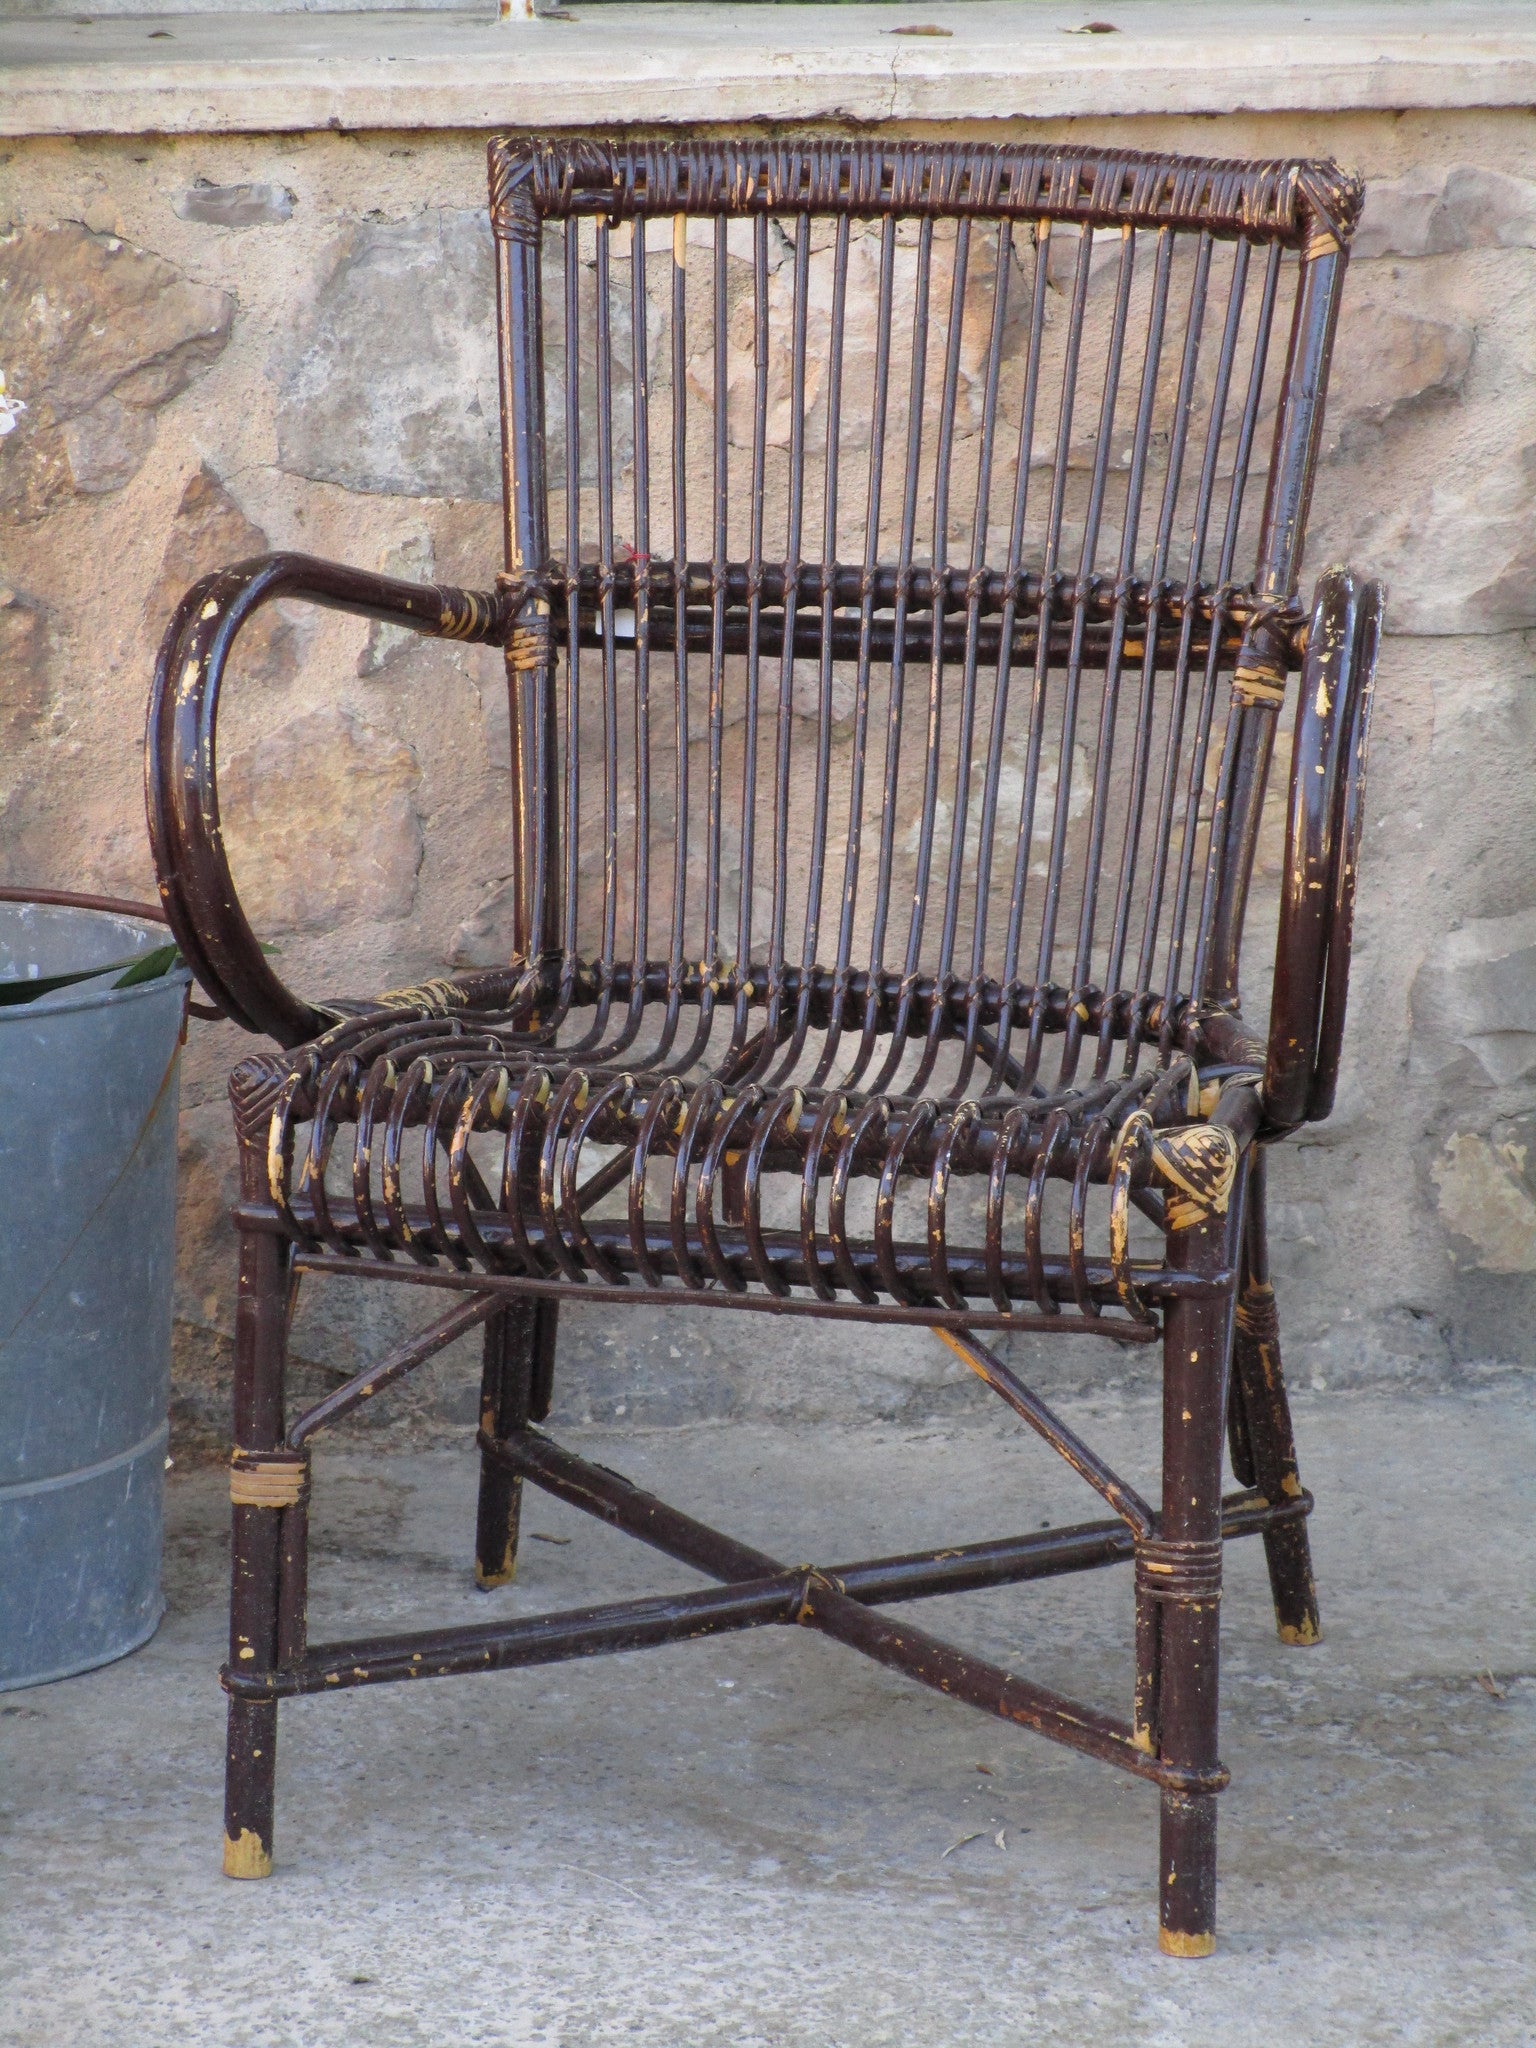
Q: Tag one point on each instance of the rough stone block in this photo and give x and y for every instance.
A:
(23, 666)
(1471, 206)
(211, 532)
(95, 336)
(1391, 362)
(392, 384)
(322, 823)
(1476, 993)
(1457, 552)
(105, 447)
(1486, 1198)
(412, 562)
(485, 938)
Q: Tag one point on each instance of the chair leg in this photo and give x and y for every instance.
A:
(1178, 1585)
(516, 1385)
(1239, 1439)
(260, 1542)
(1257, 1368)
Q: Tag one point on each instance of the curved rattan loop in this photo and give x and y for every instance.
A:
(280, 1142)
(381, 1081)
(872, 1114)
(442, 1109)
(518, 1164)
(591, 1255)
(701, 1113)
(1308, 891)
(413, 1092)
(1053, 1136)
(197, 889)
(919, 1121)
(1170, 1091)
(832, 1113)
(480, 1092)
(570, 1100)
(1346, 850)
(1040, 1005)
(658, 1120)
(565, 993)
(784, 1109)
(1003, 1157)
(1089, 1144)
(1132, 1142)
(732, 1116)
(1008, 1020)
(337, 1085)
(957, 1124)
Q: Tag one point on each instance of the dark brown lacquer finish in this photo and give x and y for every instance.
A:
(900, 598)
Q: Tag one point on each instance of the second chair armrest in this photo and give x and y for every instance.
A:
(181, 780)
(1327, 804)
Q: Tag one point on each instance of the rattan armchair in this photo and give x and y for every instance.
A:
(899, 605)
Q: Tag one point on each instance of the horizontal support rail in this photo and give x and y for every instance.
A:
(846, 635)
(1042, 1554)
(1066, 1324)
(967, 1274)
(542, 1639)
(843, 585)
(638, 1624)
(846, 999)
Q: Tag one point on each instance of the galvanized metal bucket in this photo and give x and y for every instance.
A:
(88, 1098)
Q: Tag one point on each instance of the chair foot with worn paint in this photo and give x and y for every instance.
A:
(895, 640)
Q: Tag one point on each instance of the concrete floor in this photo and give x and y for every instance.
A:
(763, 1839)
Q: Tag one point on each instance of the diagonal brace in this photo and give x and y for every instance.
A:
(1126, 1502)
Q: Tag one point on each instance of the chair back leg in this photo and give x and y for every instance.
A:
(515, 1388)
(1257, 1372)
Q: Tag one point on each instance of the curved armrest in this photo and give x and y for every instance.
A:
(1317, 903)
(181, 790)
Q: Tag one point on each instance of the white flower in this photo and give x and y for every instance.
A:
(11, 410)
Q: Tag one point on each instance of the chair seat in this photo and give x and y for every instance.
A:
(433, 1127)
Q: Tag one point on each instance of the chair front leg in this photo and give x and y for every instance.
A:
(268, 1492)
(1178, 1579)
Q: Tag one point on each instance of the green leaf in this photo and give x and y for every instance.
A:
(28, 991)
(150, 966)
(147, 967)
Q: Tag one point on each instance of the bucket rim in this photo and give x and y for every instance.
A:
(66, 999)
(70, 998)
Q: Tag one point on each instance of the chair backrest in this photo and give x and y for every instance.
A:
(901, 626)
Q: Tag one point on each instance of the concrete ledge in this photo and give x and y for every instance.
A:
(1000, 59)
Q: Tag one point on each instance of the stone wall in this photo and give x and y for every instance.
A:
(228, 344)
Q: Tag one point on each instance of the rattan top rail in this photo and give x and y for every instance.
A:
(1285, 200)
